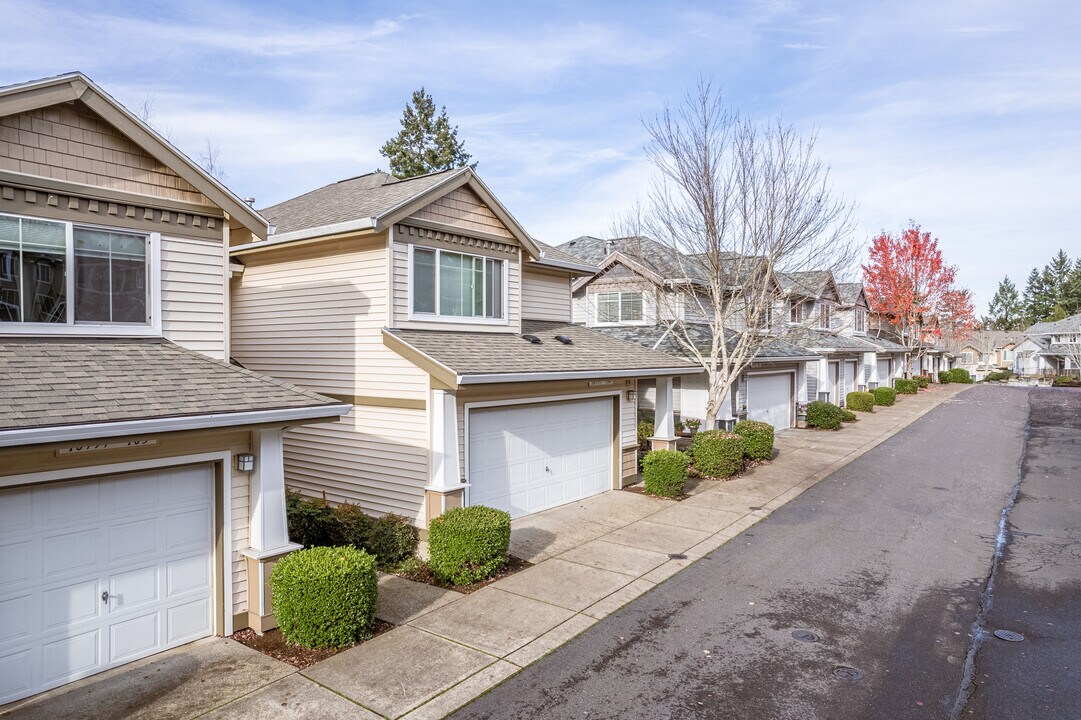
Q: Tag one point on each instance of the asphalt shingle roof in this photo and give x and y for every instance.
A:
(808, 283)
(68, 382)
(658, 336)
(653, 255)
(365, 196)
(1071, 324)
(826, 340)
(849, 293)
(472, 353)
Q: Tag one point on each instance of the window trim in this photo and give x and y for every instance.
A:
(795, 310)
(454, 319)
(825, 313)
(597, 322)
(860, 315)
(152, 328)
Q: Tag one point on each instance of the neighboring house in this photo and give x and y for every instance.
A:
(141, 482)
(424, 304)
(854, 312)
(1050, 348)
(986, 351)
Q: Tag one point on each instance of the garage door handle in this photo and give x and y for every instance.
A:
(105, 596)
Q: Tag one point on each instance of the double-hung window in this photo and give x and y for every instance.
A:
(861, 321)
(795, 312)
(825, 316)
(456, 285)
(617, 307)
(61, 274)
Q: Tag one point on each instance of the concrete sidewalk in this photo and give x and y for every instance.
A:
(591, 558)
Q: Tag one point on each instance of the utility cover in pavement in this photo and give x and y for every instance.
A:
(1009, 635)
(804, 636)
(847, 673)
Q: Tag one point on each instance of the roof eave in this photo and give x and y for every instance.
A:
(87, 431)
(315, 233)
(489, 378)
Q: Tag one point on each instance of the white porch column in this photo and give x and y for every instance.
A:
(801, 382)
(824, 379)
(664, 423)
(870, 362)
(268, 532)
(445, 489)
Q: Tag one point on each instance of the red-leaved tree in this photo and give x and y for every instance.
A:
(908, 283)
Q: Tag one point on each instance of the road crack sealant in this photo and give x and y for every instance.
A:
(987, 595)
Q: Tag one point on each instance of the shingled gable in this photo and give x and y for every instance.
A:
(76, 87)
(376, 202)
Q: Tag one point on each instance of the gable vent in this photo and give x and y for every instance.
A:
(532, 339)
(564, 339)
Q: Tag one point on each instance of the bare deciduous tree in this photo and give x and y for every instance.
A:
(733, 204)
(210, 159)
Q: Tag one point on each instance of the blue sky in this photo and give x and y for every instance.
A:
(962, 115)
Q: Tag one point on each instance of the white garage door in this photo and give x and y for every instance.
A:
(884, 373)
(528, 458)
(97, 573)
(769, 399)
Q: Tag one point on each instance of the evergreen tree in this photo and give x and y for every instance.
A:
(1006, 308)
(1073, 290)
(426, 142)
(1057, 313)
(1057, 278)
(1037, 301)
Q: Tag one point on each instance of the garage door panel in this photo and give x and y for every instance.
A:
(16, 513)
(137, 543)
(554, 454)
(769, 399)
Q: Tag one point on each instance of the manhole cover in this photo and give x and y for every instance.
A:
(847, 673)
(1009, 635)
(676, 556)
(804, 636)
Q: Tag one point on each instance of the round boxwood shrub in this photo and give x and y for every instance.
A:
(922, 381)
(391, 538)
(466, 545)
(324, 597)
(960, 375)
(664, 472)
(757, 437)
(821, 414)
(944, 377)
(861, 401)
(906, 387)
(847, 415)
(718, 453)
(884, 396)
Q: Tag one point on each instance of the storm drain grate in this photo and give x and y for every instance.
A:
(676, 556)
(847, 673)
(804, 636)
(1009, 635)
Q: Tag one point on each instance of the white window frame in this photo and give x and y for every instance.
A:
(151, 328)
(859, 323)
(825, 313)
(796, 309)
(619, 294)
(456, 319)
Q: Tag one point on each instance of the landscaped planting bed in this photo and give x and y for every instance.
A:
(274, 644)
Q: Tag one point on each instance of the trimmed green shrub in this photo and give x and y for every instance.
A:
(922, 381)
(311, 521)
(847, 415)
(757, 438)
(861, 401)
(664, 472)
(884, 396)
(324, 597)
(645, 432)
(1065, 381)
(906, 387)
(467, 545)
(998, 375)
(944, 377)
(718, 453)
(391, 538)
(960, 375)
(821, 414)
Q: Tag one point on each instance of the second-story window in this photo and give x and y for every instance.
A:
(861, 321)
(616, 307)
(795, 312)
(63, 274)
(456, 285)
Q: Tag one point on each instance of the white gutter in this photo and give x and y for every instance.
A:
(64, 433)
(572, 375)
(306, 234)
(566, 265)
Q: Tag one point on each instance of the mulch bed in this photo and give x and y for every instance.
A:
(421, 573)
(273, 644)
(694, 481)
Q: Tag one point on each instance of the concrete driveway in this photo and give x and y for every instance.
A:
(861, 598)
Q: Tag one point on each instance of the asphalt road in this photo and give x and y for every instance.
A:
(885, 562)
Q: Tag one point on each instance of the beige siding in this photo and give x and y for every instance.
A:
(71, 142)
(545, 296)
(628, 421)
(193, 294)
(462, 208)
(374, 457)
(313, 315)
(401, 290)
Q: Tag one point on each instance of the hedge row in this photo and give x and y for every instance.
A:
(314, 523)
